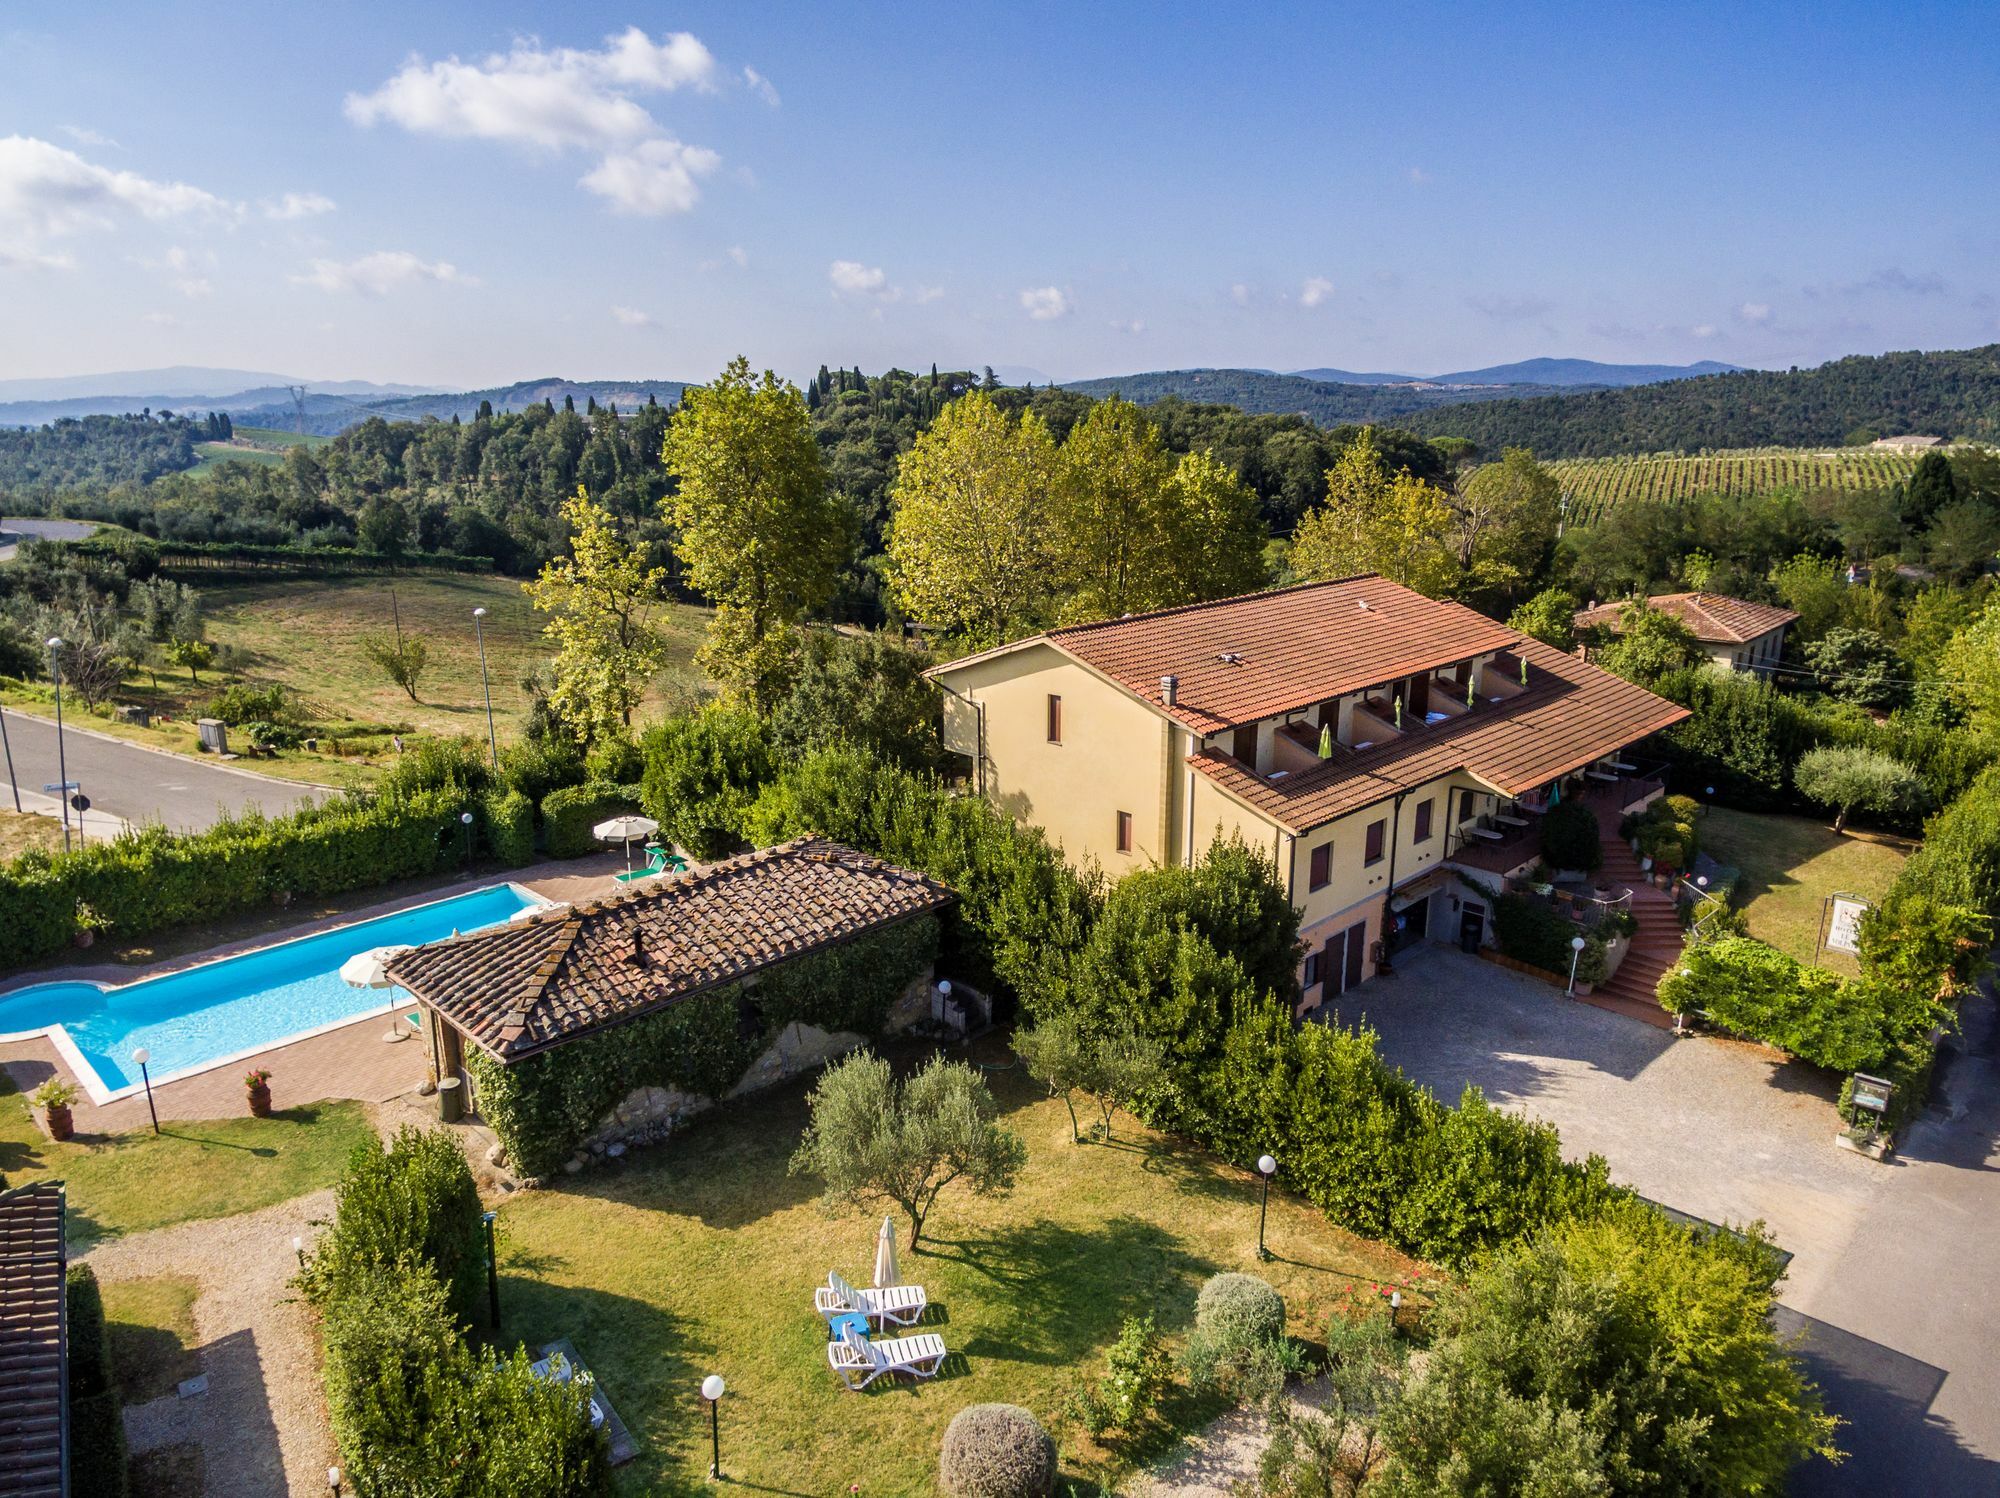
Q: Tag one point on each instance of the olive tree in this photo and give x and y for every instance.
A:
(1846, 780)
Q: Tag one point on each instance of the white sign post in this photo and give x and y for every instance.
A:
(1843, 929)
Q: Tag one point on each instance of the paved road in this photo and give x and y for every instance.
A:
(142, 785)
(1895, 1266)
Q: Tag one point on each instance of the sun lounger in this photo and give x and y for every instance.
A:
(901, 1304)
(659, 861)
(860, 1361)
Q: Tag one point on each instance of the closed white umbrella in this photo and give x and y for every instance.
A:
(885, 1256)
(623, 830)
(370, 969)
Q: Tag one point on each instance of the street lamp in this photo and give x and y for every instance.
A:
(712, 1389)
(1266, 1167)
(142, 1056)
(1576, 946)
(492, 1269)
(479, 633)
(62, 764)
(465, 821)
(12, 784)
(333, 1481)
(299, 1249)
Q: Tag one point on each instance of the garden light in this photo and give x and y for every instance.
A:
(712, 1389)
(142, 1056)
(479, 633)
(1266, 1167)
(1576, 946)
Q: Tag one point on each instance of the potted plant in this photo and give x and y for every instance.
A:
(88, 924)
(258, 1084)
(51, 1102)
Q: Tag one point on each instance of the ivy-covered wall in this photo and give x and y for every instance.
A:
(543, 1108)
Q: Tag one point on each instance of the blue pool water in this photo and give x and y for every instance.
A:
(240, 1003)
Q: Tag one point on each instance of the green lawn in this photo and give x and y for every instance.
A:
(153, 1341)
(700, 1256)
(1790, 865)
(127, 1183)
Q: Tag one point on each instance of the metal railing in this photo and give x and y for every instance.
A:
(1587, 910)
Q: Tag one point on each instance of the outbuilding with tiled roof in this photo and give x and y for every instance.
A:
(34, 1347)
(1739, 633)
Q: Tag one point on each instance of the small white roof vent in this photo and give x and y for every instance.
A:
(1230, 657)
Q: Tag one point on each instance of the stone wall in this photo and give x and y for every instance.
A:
(650, 1114)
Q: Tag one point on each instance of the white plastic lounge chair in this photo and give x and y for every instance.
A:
(901, 1304)
(860, 1361)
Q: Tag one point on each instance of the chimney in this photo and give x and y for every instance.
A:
(639, 947)
(1170, 690)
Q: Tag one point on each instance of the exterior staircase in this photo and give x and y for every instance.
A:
(1656, 946)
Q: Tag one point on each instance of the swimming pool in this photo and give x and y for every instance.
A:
(235, 1006)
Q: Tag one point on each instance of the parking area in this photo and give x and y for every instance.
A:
(1893, 1265)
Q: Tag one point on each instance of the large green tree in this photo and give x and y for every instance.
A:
(756, 527)
(1503, 525)
(1375, 521)
(1106, 530)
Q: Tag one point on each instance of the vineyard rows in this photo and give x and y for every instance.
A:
(1593, 485)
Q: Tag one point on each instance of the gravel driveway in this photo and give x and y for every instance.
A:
(1894, 1265)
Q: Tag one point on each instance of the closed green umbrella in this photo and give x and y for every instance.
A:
(1326, 741)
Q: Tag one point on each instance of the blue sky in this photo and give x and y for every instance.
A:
(470, 194)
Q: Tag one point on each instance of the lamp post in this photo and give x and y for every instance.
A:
(299, 1249)
(712, 1389)
(1395, 1309)
(142, 1056)
(465, 821)
(333, 1481)
(492, 1269)
(1576, 946)
(1266, 1167)
(62, 763)
(479, 633)
(12, 784)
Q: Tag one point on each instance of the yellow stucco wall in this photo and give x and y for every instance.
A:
(1113, 756)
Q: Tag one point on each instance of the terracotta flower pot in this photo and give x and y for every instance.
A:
(59, 1123)
(84, 937)
(260, 1102)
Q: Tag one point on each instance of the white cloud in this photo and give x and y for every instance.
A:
(564, 99)
(47, 192)
(1703, 330)
(736, 255)
(761, 87)
(1240, 294)
(183, 270)
(1135, 327)
(1316, 290)
(852, 278)
(295, 205)
(377, 274)
(632, 317)
(87, 137)
(1046, 303)
(1754, 312)
(927, 294)
(1419, 176)
(655, 177)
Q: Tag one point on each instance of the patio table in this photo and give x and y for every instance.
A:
(840, 1325)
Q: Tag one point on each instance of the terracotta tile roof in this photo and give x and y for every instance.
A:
(536, 983)
(1571, 714)
(34, 1362)
(1715, 618)
(1241, 659)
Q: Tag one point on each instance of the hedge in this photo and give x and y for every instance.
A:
(545, 1106)
(96, 1414)
(507, 826)
(568, 815)
(1760, 992)
(153, 879)
(1533, 932)
(168, 556)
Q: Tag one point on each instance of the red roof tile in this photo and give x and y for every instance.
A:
(533, 984)
(1242, 659)
(1715, 618)
(1571, 714)
(33, 1325)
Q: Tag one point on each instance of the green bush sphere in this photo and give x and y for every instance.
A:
(1239, 1311)
(996, 1451)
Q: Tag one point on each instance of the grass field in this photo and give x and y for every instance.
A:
(1790, 865)
(253, 445)
(127, 1183)
(1596, 484)
(700, 1256)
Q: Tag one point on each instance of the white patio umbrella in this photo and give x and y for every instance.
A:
(623, 830)
(885, 1256)
(369, 969)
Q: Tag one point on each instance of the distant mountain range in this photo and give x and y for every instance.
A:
(1571, 372)
(1327, 402)
(328, 415)
(36, 402)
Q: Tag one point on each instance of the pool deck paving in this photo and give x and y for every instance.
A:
(352, 1061)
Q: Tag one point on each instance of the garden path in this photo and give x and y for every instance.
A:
(262, 1424)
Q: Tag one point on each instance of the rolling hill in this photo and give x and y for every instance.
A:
(1580, 372)
(1946, 393)
(328, 416)
(1325, 402)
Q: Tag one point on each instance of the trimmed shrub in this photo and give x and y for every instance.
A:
(996, 1451)
(1238, 1312)
(569, 814)
(434, 764)
(1570, 837)
(414, 1204)
(539, 765)
(1530, 931)
(507, 826)
(703, 772)
(1760, 992)
(96, 1419)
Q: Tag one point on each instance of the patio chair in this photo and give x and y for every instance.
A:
(659, 861)
(901, 1304)
(860, 1361)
